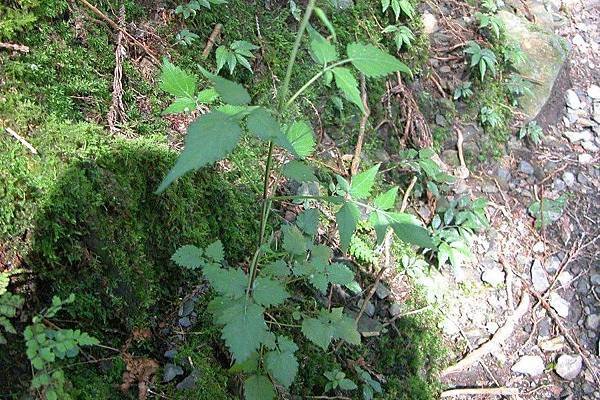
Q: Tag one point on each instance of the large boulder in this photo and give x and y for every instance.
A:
(545, 66)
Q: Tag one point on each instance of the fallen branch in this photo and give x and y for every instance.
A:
(14, 47)
(115, 26)
(116, 113)
(212, 40)
(22, 140)
(499, 337)
(362, 127)
(499, 391)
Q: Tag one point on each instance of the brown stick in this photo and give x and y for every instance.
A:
(499, 337)
(407, 194)
(499, 391)
(362, 127)
(114, 25)
(212, 40)
(116, 113)
(21, 139)
(15, 47)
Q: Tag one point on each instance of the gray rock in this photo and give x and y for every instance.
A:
(594, 92)
(560, 305)
(526, 167)
(503, 174)
(369, 309)
(185, 322)
(538, 247)
(581, 178)
(171, 371)
(493, 276)
(585, 158)
(430, 23)
(559, 185)
(572, 99)
(308, 189)
(449, 328)
(187, 307)
(569, 178)
(592, 322)
(395, 309)
(189, 382)
(170, 354)
(588, 145)
(382, 291)
(575, 137)
(539, 277)
(440, 120)
(582, 286)
(529, 365)
(595, 279)
(568, 367)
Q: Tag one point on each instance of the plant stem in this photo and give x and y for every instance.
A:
(313, 79)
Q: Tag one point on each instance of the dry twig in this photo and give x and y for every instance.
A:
(212, 40)
(499, 391)
(21, 139)
(116, 114)
(14, 47)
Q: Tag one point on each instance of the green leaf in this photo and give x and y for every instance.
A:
(374, 62)
(276, 269)
(281, 363)
(308, 221)
(231, 92)
(329, 326)
(268, 292)
(347, 83)
(188, 256)
(258, 387)
(210, 138)
(347, 217)
(347, 384)
(244, 330)
(387, 200)
(413, 234)
(207, 96)
(263, 125)
(293, 240)
(230, 282)
(322, 51)
(318, 331)
(176, 81)
(323, 17)
(221, 54)
(215, 251)
(181, 104)
(361, 185)
(301, 139)
(298, 171)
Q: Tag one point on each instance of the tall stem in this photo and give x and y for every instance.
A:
(313, 79)
(280, 108)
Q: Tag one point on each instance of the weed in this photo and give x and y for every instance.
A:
(481, 58)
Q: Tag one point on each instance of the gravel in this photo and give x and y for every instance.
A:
(529, 365)
(569, 366)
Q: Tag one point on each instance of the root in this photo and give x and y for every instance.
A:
(116, 114)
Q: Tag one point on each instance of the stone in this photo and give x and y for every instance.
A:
(552, 345)
(187, 307)
(539, 278)
(581, 178)
(526, 168)
(529, 365)
(559, 185)
(492, 327)
(189, 382)
(395, 309)
(560, 305)
(450, 158)
(588, 145)
(568, 366)
(565, 278)
(572, 99)
(185, 322)
(592, 322)
(440, 120)
(170, 354)
(594, 92)
(595, 279)
(503, 174)
(569, 178)
(493, 276)
(585, 158)
(430, 23)
(538, 247)
(369, 309)
(382, 291)
(579, 41)
(545, 55)
(575, 137)
(449, 328)
(171, 371)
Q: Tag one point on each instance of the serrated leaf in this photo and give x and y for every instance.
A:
(221, 55)
(339, 274)
(207, 96)
(346, 329)
(330, 325)
(386, 200)
(244, 330)
(231, 92)
(361, 184)
(347, 83)
(276, 269)
(413, 234)
(258, 387)
(188, 256)
(347, 384)
(281, 363)
(298, 171)
(210, 138)
(374, 62)
(215, 251)
(318, 331)
(301, 139)
(268, 292)
(181, 104)
(176, 81)
(346, 218)
(322, 51)
(293, 240)
(230, 282)
(263, 125)
(308, 221)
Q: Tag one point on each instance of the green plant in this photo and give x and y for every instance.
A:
(517, 87)
(185, 37)
(481, 58)
(337, 379)
(265, 353)
(46, 344)
(430, 176)
(488, 116)
(491, 22)
(238, 52)
(513, 54)
(547, 211)
(370, 386)
(398, 7)
(9, 304)
(190, 9)
(463, 91)
(182, 85)
(403, 36)
(490, 5)
(454, 224)
(532, 131)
